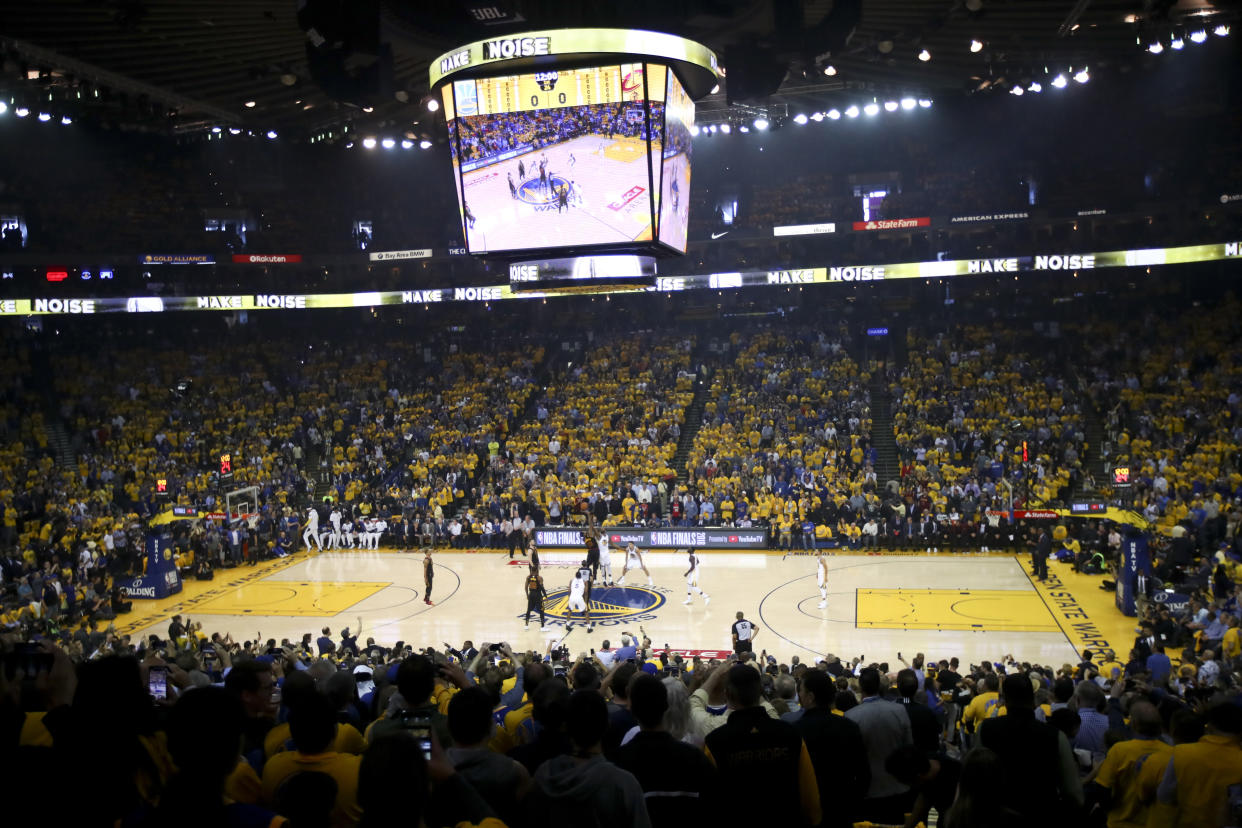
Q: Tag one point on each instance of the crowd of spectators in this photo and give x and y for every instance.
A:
(786, 438)
(201, 729)
(483, 136)
(973, 406)
(605, 427)
(1169, 395)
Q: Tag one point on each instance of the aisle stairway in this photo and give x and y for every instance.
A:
(58, 440)
(888, 466)
(689, 429)
(1093, 458)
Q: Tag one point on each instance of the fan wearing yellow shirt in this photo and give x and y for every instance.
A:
(1119, 775)
(313, 726)
(1231, 644)
(977, 710)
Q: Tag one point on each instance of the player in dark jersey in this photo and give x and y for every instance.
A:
(429, 575)
(533, 549)
(592, 550)
(535, 595)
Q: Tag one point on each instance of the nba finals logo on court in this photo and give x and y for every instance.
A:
(610, 606)
(533, 192)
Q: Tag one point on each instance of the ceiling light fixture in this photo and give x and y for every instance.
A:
(976, 46)
(1198, 37)
(433, 105)
(800, 118)
(1060, 81)
(830, 70)
(424, 144)
(908, 103)
(852, 112)
(1156, 48)
(836, 115)
(250, 104)
(761, 123)
(925, 56)
(368, 143)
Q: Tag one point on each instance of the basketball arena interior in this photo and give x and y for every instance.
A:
(512, 412)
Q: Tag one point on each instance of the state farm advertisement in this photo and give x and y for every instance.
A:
(893, 224)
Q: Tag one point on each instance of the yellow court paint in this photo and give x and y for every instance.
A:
(984, 610)
(294, 599)
(626, 150)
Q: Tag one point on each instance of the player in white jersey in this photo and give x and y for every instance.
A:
(692, 580)
(605, 559)
(325, 536)
(580, 598)
(335, 519)
(347, 534)
(367, 534)
(634, 560)
(821, 574)
(380, 527)
(312, 529)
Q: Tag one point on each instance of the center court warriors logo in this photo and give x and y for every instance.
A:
(530, 192)
(610, 606)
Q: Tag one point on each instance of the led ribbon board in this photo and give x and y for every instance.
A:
(835, 274)
(697, 65)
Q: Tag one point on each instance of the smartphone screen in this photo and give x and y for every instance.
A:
(420, 728)
(157, 682)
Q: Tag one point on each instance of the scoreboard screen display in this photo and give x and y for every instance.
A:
(567, 159)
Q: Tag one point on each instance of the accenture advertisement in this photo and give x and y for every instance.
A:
(702, 538)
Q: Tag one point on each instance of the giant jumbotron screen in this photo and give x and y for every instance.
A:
(586, 159)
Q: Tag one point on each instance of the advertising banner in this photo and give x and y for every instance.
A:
(893, 224)
(1135, 564)
(699, 537)
(267, 258)
(161, 578)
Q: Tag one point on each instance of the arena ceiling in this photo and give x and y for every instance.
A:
(187, 65)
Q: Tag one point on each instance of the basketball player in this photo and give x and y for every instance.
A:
(692, 580)
(469, 215)
(605, 558)
(821, 573)
(562, 198)
(592, 553)
(512, 187)
(335, 519)
(535, 596)
(521, 171)
(428, 576)
(347, 534)
(579, 598)
(533, 549)
(312, 529)
(378, 529)
(634, 560)
(572, 160)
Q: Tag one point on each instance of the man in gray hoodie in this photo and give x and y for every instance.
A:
(583, 788)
